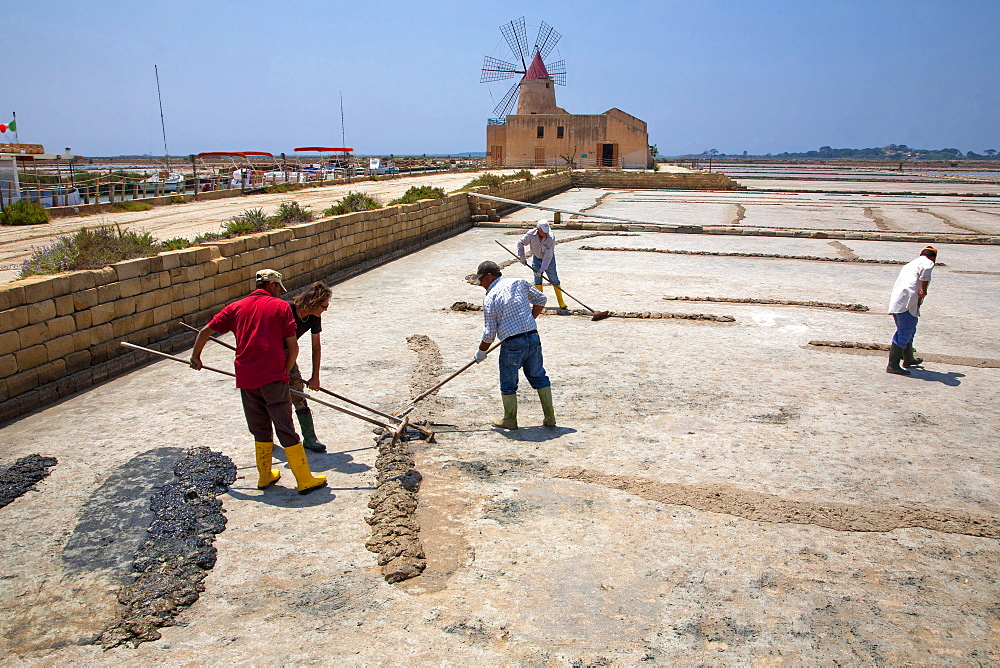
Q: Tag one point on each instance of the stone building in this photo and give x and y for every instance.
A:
(542, 134)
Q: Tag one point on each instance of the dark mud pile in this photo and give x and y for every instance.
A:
(395, 529)
(763, 507)
(22, 475)
(179, 551)
(862, 348)
(654, 315)
(774, 256)
(778, 302)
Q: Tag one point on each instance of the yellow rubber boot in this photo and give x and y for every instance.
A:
(539, 288)
(267, 475)
(562, 303)
(304, 479)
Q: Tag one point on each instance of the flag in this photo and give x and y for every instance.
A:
(12, 126)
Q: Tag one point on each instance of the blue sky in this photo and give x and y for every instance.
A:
(733, 75)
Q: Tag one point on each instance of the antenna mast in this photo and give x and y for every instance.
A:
(163, 126)
(343, 140)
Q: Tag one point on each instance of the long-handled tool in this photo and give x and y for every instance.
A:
(598, 315)
(427, 433)
(406, 408)
(396, 432)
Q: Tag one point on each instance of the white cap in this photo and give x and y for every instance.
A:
(543, 225)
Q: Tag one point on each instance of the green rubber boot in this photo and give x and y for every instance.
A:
(309, 441)
(545, 395)
(909, 359)
(509, 420)
(895, 355)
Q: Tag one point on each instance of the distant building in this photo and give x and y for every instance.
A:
(542, 134)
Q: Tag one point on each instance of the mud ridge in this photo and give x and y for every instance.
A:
(599, 202)
(395, 529)
(425, 374)
(813, 258)
(741, 214)
(179, 550)
(591, 235)
(22, 475)
(778, 302)
(948, 220)
(761, 507)
(980, 273)
(843, 250)
(861, 348)
(881, 222)
(651, 315)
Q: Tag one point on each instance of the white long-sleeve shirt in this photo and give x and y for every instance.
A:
(543, 248)
(906, 291)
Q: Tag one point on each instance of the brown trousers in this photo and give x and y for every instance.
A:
(267, 405)
(297, 383)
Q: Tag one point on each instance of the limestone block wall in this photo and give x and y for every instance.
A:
(60, 334)
(614, 178)
(523, 190)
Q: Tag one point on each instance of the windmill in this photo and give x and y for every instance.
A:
(529, 63)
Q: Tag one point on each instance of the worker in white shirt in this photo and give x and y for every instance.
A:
(509, 311)
(542, 243)
(904, 305)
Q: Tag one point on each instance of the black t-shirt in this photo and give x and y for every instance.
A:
(311, 323)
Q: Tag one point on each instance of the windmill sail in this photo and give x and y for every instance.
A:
(532, 65)
(517, 40)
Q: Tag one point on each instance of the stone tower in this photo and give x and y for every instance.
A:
(537, 93)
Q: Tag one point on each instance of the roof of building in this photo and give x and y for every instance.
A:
(537, 69)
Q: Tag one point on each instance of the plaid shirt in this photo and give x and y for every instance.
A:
(507, 308)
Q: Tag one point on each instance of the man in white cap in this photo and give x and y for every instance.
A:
(543, 256)
(266, 349)
(904, 306)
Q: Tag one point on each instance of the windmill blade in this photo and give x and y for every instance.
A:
(517, 40)
(498, 70)
(546, 39)
(508, 101)
(557, 71)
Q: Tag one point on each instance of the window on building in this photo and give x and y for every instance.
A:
(559, 131)
(541, 131)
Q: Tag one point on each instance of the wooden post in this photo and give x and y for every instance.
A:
(111, 187)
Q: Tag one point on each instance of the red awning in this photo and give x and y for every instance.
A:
(240, 154)
(323, 149)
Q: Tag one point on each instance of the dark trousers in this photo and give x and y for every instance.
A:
(267, 405)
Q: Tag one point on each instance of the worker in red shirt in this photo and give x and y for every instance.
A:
(266, 349)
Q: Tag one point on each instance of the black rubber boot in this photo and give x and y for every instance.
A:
(908, 358)
(309, 441)
(896, 354)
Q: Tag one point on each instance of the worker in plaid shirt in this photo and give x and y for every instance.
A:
(509, 311)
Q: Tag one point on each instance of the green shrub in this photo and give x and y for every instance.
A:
(207, 237)
(278, 188)
(491, 180)
(351, 202)
(176, 243)
(131, 205)
(250, 221)
(417, 193)
(290, 213)
(89, 249)
(24, 212)
(177, 199)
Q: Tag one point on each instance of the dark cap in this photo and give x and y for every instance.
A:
(487, 267)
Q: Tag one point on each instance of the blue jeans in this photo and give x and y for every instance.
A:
(519, 352)
(550, 271)
(906, 328)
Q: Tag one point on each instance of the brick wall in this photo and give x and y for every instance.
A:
(60, 334)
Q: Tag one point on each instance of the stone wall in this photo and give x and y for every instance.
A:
(616, 178)
(62, 333)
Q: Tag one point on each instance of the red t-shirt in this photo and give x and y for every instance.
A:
(261, 324)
